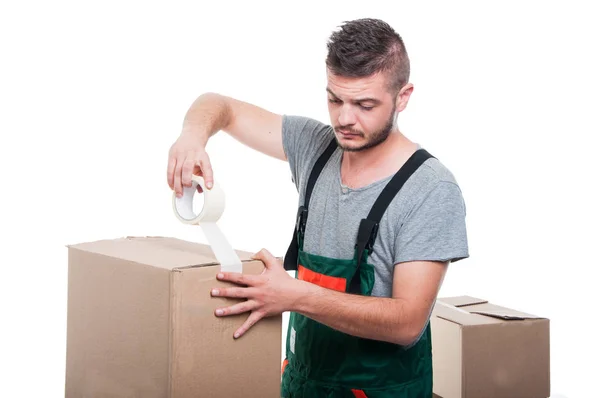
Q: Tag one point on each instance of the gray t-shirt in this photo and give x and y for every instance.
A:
(425, 221)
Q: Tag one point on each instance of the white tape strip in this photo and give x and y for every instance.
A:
(214, 204)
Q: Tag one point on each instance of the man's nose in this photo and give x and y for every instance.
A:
(347, 117)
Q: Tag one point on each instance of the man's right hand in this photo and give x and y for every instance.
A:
(251, 125)
(188, 156)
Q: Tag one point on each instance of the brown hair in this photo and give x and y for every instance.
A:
(366, 46)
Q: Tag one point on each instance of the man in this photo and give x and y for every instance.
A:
(379, 220)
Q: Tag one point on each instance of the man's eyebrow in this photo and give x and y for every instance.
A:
(331, 92)
(375, 101)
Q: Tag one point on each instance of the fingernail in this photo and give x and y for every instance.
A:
(219, 312)
(219, 275)
(209, 184)
(215, 292)
(236, 335)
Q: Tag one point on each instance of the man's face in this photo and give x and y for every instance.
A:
(362, 110)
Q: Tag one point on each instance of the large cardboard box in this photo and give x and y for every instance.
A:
(485, 350)
(141, 323)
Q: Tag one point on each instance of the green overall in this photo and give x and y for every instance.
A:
(323, 362)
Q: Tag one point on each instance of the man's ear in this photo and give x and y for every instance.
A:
(403, 96)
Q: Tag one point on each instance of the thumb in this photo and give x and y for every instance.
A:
(266, 257)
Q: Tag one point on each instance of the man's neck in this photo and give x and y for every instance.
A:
(365, 167)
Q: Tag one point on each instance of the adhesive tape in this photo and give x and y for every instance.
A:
(214, 205)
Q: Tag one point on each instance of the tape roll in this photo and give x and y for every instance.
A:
(214, 205)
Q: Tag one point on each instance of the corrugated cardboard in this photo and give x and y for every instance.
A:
(141, 323)
(485, 350)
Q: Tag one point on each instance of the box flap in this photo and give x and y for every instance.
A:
(505, 315)
(460, 301)
(458, 315)
(499, 312)
(472, 311)
(158, 251)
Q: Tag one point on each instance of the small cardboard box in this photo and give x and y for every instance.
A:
(141, 323)
(484, 350)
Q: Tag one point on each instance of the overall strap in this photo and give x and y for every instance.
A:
(367, 230)
(291, 257)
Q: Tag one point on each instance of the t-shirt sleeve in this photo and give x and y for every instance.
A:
(304, 139)
(436, 229)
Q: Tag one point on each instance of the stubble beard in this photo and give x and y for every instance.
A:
(375, 138)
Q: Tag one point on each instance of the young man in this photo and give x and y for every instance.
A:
(379, 221)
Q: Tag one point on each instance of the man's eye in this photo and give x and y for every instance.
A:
(366, 108)
(334, 101)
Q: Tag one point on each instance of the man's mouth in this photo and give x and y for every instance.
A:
(347, 133)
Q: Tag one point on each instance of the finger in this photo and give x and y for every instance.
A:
(177, 177)
(236, 277)
(198, 171)
(254, 317)
(186, 172)
(207, 172)
(238, 308)
(234, 292)
(171, 170)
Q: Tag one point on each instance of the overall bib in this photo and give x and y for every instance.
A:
(323, 362)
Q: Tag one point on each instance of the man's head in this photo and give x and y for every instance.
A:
(367, 82)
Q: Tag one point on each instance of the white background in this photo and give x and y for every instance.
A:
(93, 94)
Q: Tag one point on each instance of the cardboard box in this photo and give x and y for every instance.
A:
(484, 350)
(141, 323)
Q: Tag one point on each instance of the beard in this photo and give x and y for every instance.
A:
(373, 140)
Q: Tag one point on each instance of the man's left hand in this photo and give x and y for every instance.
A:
(270, 293)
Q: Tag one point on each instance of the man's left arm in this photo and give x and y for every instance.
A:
(399, 319)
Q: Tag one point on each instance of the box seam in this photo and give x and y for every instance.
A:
(463, 374)
(211, 264)
(173, 319)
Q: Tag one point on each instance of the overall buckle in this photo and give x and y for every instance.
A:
(367, 233)
(301, 218)
(372, 237)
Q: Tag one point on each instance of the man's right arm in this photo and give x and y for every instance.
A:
(249, 124)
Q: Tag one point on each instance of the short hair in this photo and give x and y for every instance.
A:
(366, 46)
